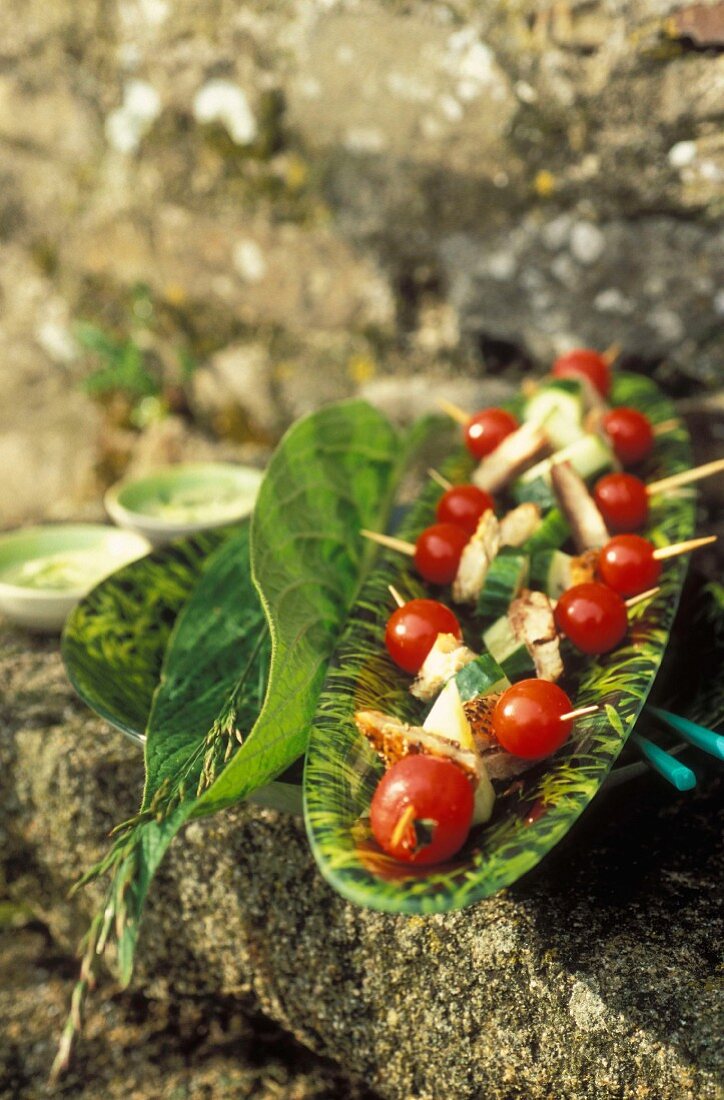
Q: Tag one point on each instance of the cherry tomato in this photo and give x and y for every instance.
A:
(412, 630)
(463, 505)
(438, 551)
(527, 718)
(422, 809)
(622, 501)
(593, 616)
(627, 564)
(486, 429)
(630, 432)
(584, 361)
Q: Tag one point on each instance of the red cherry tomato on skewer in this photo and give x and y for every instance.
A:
(527, 718)
(593, 616)
(486, 429)
(463, 505)
(422, 809)
(586, 362)
(630, 432)
(438, 551)
(622, 501)
(412, 630)
(627, 564)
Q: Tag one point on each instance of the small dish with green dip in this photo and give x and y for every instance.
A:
(46, 570)
(178, 500)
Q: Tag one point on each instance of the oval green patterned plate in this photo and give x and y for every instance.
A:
(539, 808)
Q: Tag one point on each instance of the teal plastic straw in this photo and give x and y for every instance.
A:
(704, 739)
(673, 771)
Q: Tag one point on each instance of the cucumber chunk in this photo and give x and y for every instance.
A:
(550, 572)
(551, 534)
(558, 407)
(512, 655)
(483, 676)
(588, 456)
(538, 491)
(508, 573)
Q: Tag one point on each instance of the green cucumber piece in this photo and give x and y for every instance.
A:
(558, 407)
(550, 572)
(550, 535)
(507, 574)
(512, 655)
(483, 676)
(538, 491)
(589, 456)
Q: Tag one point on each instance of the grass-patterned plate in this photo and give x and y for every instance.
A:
(114, 641)
(535, 811)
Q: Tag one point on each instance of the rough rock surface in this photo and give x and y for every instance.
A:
(592, 978)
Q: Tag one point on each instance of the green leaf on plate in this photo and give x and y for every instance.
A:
(334, 473)
(245, 659)
(534, 812)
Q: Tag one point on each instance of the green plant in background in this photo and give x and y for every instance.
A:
(133, 367)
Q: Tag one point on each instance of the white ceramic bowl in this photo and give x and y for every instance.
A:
(45, 571)
(178, 500)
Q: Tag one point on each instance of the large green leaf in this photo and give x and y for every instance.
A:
(212, 683)
(533, 814)
(237, 672)
(335, 472)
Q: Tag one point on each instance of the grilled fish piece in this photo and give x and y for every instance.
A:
(516, 453)
(476, 558)
(531, 617)
(519, 524)
(583, 568)
(444, 660)
(479, 713)
(392, 740)
(578, 506)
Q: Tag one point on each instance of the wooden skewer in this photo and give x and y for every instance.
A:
(666, 426)
(682, 547)
(611, 354)
(580, 711)
(685, 477)
(406, 819)
(441, 481)
(454, 411)
(642, 596)
(396, 595)
(390, 542)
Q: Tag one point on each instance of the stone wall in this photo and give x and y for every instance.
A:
(322, 194)
(594, 978)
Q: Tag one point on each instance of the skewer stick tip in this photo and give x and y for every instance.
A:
(611, 354)
(453, 411)
(396, 595)
(685, 477)
(580, 711)
(406, 819)
(441, 481)
(390, 542)
(665, 552)
(665, 426)
(634, 600)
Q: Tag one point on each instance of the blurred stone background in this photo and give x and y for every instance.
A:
(215, 216)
